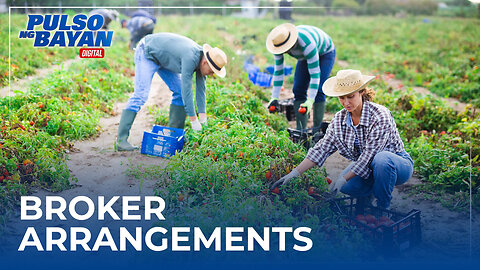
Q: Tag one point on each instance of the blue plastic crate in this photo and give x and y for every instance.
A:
(163, 141)
(287, 70)
(261, 79)
(250, 68)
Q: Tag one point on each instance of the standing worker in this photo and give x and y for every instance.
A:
(109, 15)
(365, 133)
(315, 53)
(141, 24)
(175, 58)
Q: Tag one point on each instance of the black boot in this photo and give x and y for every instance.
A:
(176, 117)
(318, 112)
(301, 118)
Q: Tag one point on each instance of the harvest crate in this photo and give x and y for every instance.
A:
(286, 106)
(162, 141)
(308, 137)
(287, 70)
(260, 78)
(401, 232)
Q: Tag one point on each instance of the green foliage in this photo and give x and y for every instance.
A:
(39, 122)
(345, 4)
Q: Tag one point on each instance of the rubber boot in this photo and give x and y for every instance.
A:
(176, 117)
(124, 127)
(301, 118)
(318, 112)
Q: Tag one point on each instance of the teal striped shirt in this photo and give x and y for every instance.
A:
(312, 42)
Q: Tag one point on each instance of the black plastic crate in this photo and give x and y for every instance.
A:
(308, 137)
(403, 232)
(286, 106)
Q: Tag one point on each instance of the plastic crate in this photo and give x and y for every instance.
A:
(250, 68)
(403, 232)
(162, 141)
(286, 106)
(287, 70)
(308, 137)
(261, 79)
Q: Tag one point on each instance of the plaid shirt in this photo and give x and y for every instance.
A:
(376, 132)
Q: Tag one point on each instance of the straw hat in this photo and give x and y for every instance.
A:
(346, 82)
(216, 59)
(282, 38)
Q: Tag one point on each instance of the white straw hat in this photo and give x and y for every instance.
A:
(216, 59)
(346, 82)
(282, 38)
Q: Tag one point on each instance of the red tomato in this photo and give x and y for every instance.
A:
(302, 110)
(329, 181)
(360, 217)
(272, 108)
(384, 219)
(276, 190)
(268, 175)
(370, 219)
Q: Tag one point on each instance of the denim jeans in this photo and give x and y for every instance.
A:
(144, 71)
(301, 80)
(388, 170)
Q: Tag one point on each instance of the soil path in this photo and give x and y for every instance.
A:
(100, 170)
(39, 74)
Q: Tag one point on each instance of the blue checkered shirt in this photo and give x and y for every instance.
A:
(376, 132)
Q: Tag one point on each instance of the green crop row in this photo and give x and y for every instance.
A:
(24, 58)
(39, 124)
(434, 134)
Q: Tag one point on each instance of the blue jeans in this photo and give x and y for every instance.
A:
(144, 71)
(388, 170)
(301, 80)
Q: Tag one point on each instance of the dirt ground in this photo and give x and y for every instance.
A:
(99, 169)
(39, 73)
(101, 172)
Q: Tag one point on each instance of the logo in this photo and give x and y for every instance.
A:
(56, 31)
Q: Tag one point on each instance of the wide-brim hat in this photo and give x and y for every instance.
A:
(216, 59)
(346, 82)
(282, 38)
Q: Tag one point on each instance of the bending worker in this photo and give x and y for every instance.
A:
(141, 24)
(176, 59)
(365, 133)
(109, 15)
(315, 53)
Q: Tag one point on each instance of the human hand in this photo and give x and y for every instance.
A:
(273, 102)
(284, 180)
(337, 185)
(202, 118)
(196, 126)
(308, 105)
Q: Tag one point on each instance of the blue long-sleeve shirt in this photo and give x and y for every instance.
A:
(136, 23)
(181, 55)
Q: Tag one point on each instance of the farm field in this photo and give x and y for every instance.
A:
(224, 173)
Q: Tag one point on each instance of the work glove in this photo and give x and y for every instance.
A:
(284, 180)
(196, 126)
(202, 118)
(308, 104)
(337, 185)
(273, 102)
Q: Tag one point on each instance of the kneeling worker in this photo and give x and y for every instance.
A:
(175, 58)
